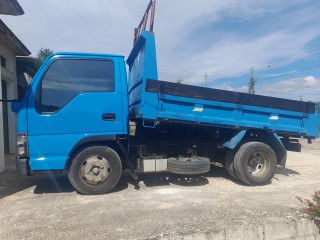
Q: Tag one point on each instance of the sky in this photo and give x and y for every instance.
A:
(222, 40)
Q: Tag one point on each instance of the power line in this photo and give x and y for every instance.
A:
(297, 57)
(276, 64)
(261, 69)
(285, 74)
(281, 75)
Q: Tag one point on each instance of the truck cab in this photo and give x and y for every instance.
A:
(73, 98)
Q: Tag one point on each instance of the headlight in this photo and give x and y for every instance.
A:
(22, 144)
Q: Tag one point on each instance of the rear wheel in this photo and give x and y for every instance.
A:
(255, 163)
(95, 170)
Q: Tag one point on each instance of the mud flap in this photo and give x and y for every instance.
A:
(234, 141)
(277, 145)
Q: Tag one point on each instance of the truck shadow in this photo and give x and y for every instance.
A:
(165, 179)
(154, 180)
(46, 183)
(11, 183)
(286, 171)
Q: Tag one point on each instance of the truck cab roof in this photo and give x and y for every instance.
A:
(84, 54)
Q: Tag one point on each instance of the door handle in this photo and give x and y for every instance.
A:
(108, 117)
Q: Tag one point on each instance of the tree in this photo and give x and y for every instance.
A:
(42, 56)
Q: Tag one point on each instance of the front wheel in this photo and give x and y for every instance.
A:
(255, 163)
(95, 170)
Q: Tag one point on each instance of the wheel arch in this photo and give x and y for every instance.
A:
(269, 138)
(108, 141)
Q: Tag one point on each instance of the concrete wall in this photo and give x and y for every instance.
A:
(268, 229)
(9, 75)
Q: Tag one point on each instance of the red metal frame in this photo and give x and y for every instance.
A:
(144, 21)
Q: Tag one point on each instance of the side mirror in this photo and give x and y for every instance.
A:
(15, 106)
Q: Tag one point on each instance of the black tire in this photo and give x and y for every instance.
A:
(229, 163)
(113, 170)
(255, 163)
(189, 166)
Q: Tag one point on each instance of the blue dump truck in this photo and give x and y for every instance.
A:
(82, 114)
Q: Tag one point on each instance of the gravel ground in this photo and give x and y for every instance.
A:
(47, 207)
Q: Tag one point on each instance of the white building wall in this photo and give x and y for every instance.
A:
(9, 75)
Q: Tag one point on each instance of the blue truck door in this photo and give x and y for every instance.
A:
(72, 99)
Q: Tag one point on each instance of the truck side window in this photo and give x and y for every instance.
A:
(67, 78)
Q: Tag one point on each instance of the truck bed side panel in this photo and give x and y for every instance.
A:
(205, 106)
(184, 90)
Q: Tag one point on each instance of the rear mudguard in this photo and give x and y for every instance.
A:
(272, 139)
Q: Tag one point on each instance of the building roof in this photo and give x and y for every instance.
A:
(10, 40)
(10, 7)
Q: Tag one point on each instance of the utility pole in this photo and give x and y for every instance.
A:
(206, 79)
(252, 81)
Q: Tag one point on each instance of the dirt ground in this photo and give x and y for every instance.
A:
(47, 207)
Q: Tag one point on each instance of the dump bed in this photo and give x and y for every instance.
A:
(153, 100)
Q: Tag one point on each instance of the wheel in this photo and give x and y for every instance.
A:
(189, 166)
(95, 170)
(255, 163)
(229, 163)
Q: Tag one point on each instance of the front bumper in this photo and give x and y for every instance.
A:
(22, 166)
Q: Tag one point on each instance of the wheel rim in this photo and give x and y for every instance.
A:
(257, 163)
(95, 170)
